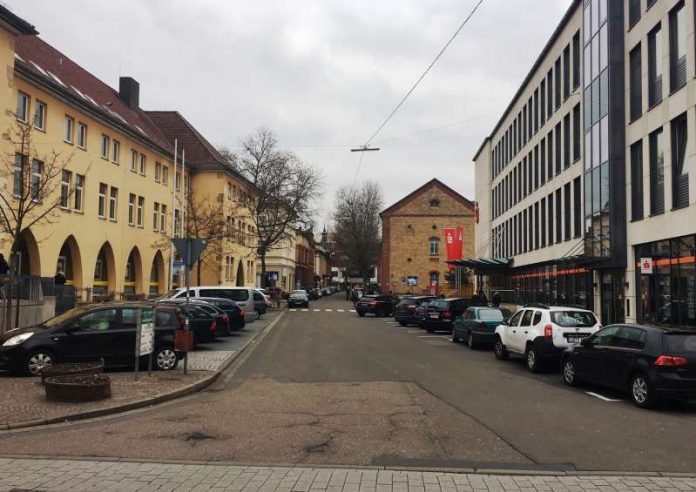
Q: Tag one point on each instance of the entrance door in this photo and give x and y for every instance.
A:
(612, 296)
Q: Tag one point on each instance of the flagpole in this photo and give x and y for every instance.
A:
(171, 246)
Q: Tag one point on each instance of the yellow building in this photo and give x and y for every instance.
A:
(111, 234)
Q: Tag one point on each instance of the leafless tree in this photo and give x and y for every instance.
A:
(31, 196)
(357, 226)
(281, 193)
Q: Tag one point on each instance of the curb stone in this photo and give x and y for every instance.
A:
(172, 395)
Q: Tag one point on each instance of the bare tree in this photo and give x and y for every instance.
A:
(282, 193)
(356, 226)
(31, 197)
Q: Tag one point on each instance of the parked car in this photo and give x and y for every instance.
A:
(541, 333)
(243, 296)
(477, 325)
(86, 334)
(234, 312)
(650, 363)
(441, 313)
(298, 298)
(421, 313)
(373, 304)
(405, 309)
(260, 304)
(314, 294)
(203, 318)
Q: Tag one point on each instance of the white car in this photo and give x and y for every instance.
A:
(541, 333)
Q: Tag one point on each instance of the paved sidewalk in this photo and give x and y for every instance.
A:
(90, 475)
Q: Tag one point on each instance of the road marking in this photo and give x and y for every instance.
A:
(317, 310)
(341, 310)
(352, 310)
(293, 310)
(434, 336)
(600, 396)
(305, 310)
(328, 310)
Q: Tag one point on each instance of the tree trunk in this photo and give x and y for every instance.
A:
(9, 289)
(264, 279)
(198, 272)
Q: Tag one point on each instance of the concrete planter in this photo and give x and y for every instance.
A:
(75, 368)
(78, 387)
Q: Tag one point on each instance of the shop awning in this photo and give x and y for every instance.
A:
(483, 264)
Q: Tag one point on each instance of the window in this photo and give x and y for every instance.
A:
(559, 217)
(105, 144)
(102, 200)
(577, 207)
(542, 102)
(549, 200)
(18, 185)
(36, 173)
(677, 47)
(140, 211)
(40, 115)
(65, 180)
(633, 12)
(566, 72)
(558, 148)
(680, 178)
(155, 216)
(163, 218)
(165, 175)
(542, 220)
(134, 161)
(434, 246)
(79, 191)
(22, 107)
(637, 180)
(68, 130)
(131, 209)
(115, 151)
(657, 174)
(81, 135)
(566, 211)
(576, 60)
(576, 133)
(655, 67)
(177, 183)
(566, 141)
(158, 172)
(143, 164)
(549, 94)
(113, 203)
(557, 88)
(636, 81)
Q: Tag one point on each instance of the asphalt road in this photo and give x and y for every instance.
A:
(327, 387)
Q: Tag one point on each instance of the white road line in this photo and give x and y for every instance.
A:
(328, 310)
(352, 310)
(600, 396)
(293, 310)
(341, 310)
(305, 310)
(317, 310)
(434, 336)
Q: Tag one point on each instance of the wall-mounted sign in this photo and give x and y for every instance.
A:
(646, 266)
(412, 280)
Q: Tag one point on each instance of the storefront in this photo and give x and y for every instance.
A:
(666, 280)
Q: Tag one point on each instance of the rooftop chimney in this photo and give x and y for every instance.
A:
(129, 91)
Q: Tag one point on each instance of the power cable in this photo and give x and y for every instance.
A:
(413, 88)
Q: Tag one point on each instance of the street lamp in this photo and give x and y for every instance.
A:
(365, 148)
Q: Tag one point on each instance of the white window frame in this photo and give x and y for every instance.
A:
(434, 251)
(113, 204)
(40, 108)
(143, 164)
(102, 205)
(105, 146)
(131, 209)
(18, 168)
(134, 161)
(115, 151)
(165, 175)
(79, 192)
(21, 96)
(177, 181)
(140, 211)
(36, 176)
(163, 218)
(155, 216)
(69, 129)
(158, 172)
(81, 135)
(65, 182)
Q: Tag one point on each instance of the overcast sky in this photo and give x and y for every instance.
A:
(323, 74)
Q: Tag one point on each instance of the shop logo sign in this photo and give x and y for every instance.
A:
(646, 266)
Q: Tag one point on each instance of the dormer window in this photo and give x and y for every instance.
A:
(434, 202)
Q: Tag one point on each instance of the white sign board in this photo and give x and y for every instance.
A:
(147, 338)
(646, 266)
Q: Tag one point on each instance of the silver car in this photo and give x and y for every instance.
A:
(298, 298)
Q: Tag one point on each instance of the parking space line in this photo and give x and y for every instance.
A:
(435, 336)
(305, 310)
(293, 310)
(601, 397)
(352, 310)
(341, 310)
(328, 310)
(317, 310)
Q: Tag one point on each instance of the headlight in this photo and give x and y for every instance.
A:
(17, 339)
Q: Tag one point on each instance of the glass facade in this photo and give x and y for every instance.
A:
(667, 294)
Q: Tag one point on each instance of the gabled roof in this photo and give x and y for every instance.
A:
(430, 184)
(199, 152)
(15, 23)
(44, 64)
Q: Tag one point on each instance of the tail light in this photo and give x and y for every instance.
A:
(372, 303)
(213, 326)
(226, 318)
(669, 360)
(447, 314)
(411, 309)
(412, 306)
(241, 314)
(548, 332)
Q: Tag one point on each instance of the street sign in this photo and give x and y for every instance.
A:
(147, 336)
(412, 280)
(189, 249)
(646, 266)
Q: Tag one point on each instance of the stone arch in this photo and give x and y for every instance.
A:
(28, 251)
(70, 262)
(104, 280)
(157, 282)
(133, 275)
(240, 274)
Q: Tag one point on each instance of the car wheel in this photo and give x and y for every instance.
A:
(256, 315)
(533, 360)
(499, 350)
(570, 375)
(455, 338)
(37, 361)
(362, 315)
(166, 359)
(403, 323)
(471, 342)
(641, 391)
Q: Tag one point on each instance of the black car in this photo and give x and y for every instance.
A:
(234, 313)
(377, 305)
(405, 310)
(421, 313)
(441, 313)
(650, 363)
(87, 334)
(201, 322)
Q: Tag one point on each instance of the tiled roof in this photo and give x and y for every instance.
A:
(66, 76)
(14, 22)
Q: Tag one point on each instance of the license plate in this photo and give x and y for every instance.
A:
(434, 315)
(577, 339)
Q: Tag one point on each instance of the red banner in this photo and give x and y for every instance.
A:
(450, 242)
(459, 241)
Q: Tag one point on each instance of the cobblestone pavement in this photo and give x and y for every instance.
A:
(90, 475)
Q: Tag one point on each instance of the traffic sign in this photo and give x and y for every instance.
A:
(189, 249)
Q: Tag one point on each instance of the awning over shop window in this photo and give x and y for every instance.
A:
(483, 264)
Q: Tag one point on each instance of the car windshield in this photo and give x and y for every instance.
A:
(438, 304)
(573, 318)
(680, 342)
(57, 320)
(298, 293)
(491, 314)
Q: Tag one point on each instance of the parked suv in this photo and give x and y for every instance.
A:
(541, 333)
(377, 305)
(441, 313)
(405, 310)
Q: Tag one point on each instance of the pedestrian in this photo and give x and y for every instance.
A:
(496, 299)
(59, 279)
(4, 266)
